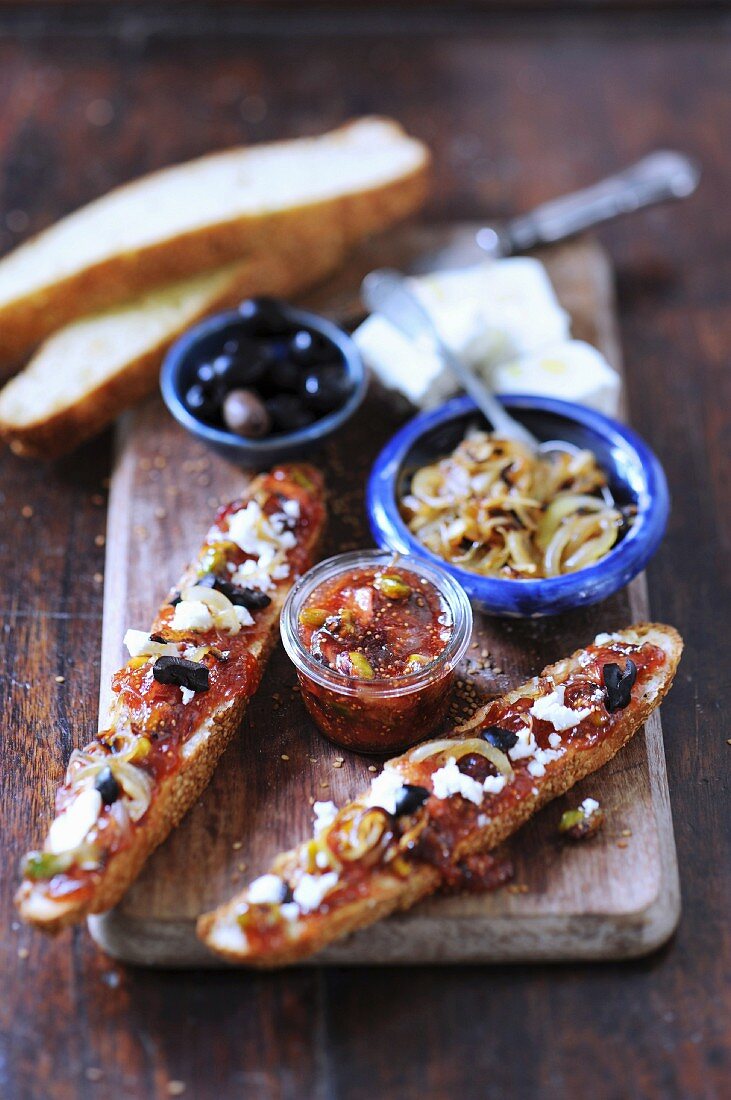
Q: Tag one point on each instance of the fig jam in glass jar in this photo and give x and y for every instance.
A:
(376, 642)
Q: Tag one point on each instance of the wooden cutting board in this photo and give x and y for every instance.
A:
(614, 897)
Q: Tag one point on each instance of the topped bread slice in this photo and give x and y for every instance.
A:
(432, 812)
(177, 702)
(329, 190)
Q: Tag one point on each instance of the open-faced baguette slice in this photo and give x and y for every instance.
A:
(325, 191)
(381, 854)
(133, 783)
(83, 376)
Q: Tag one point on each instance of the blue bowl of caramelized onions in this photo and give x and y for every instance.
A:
(525, 535)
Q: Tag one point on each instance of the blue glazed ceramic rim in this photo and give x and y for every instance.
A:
(527, 599)
(261, 449)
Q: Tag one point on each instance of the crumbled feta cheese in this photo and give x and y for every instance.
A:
(192, 615)
(312, 889)
(325, 813)
(385, 789)
(554, 740)
(291, 508)
(69, 830)
(243, 615)
(551, 708)
(494, 784)
(524, 746)
(589, 806)
(322, 861)
(140, 644)
(187, 694)
(449, 780)
(267, 890)
(290, 910)
(536, 768)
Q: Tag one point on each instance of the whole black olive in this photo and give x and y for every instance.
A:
(284, 376)
(177, 670)
(325, 389)
(107, 786)
(202, 404)
(618, 685)
(410, 798)
(263, 317)
(505, 740)
(244, 414)
(287, 412)
(311, 348)
(247, 368)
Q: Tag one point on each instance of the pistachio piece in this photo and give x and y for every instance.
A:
(361, 666)
(44, 865)
(313, 617)
(393, 586)
(415, 662)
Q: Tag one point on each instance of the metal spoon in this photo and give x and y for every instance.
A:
(388, 293)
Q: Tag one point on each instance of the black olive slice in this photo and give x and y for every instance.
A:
(177, 670)
(107, 786)
(505, 740)
(410, 798)
(618, 685)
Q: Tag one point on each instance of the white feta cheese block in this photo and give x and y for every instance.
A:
(70, 829)
(571, 370)
(491, 312)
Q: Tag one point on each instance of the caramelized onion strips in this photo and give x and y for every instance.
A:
(495, 508)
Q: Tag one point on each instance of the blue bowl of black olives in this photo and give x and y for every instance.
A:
(263, 383)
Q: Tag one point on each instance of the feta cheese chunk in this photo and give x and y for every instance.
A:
(312, 889)
(187, 694)
(385, 789)
(267, 890)
(589, 806)
(550, 708)
(191, 615)
(325, 813)
(140, 644)
(70, 829)
(449, 780)
(493, 784)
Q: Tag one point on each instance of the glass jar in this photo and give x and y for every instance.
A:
(379, 714)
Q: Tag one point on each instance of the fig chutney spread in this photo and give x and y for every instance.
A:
(376, 642)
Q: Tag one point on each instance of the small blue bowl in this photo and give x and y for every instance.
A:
(205, 340)
(635, 477)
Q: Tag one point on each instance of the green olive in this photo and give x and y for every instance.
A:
(313, 617)
(361, 666)
(393, 586)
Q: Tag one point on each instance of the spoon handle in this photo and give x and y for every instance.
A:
(661, 175)
(388, 293)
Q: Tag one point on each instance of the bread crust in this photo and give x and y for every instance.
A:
(177, 792)
(335, 224)
(386, 893)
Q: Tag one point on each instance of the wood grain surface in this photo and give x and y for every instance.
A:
(515, 113)
(613, 898)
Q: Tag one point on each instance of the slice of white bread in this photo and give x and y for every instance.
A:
(329, 191)
(81, 378)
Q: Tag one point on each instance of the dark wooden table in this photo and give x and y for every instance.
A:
(516, 109)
